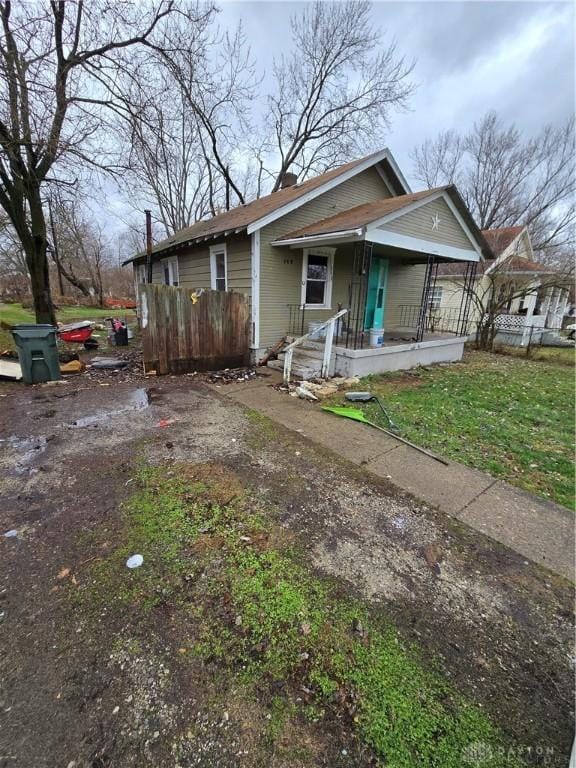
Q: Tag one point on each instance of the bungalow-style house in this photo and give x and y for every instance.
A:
(354, 238)
(531, 296)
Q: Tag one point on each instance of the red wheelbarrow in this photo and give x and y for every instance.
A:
(78, 333)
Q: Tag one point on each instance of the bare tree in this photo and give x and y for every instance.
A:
(78, 247)
(218, 88)
(166, 164)
(58, 64)
(507, 179)
(335, 90)
(14, 279)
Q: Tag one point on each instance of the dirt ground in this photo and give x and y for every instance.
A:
(88, 689)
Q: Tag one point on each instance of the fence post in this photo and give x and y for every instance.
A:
(325, 371)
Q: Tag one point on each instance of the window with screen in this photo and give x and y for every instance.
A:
(218, 268)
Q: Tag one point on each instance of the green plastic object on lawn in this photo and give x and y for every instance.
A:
(38, 352)
(357, 415)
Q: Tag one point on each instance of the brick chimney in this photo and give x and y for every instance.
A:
(288, 180)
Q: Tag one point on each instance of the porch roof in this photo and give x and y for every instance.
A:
(362, 223)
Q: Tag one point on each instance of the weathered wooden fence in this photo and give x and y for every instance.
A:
(184, 332)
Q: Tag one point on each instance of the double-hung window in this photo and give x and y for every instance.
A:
(435, 297)
(218, 268)
(170, 271)
(317, 268)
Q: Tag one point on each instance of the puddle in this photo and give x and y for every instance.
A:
(27, 448)
(137, 401)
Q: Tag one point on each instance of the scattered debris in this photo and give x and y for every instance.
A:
(165, 422)
(305, 628)
(108, 362)
(11, 534)
(135, 561)
(74, 366)
(433, 555)
(321, 390)
(63, 573)
(272, 353)
(304, 393)
(10, 369)
(229, 375)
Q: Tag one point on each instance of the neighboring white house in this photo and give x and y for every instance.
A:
(535, 309)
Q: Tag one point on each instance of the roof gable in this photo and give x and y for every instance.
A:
(262, 211)
(433, 219)
(390, 213)
(501, 238)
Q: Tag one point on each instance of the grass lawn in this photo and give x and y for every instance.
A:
(509, 416)
(12, 314)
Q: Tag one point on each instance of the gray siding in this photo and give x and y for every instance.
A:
(194, 265)
(281, 267)
(405, 285)
(418, 224)
(239, 257)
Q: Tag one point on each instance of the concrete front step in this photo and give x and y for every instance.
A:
(306, 363)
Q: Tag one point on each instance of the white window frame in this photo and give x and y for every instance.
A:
(435, 298)
(329, 253)
(215, 250)
(173, 273)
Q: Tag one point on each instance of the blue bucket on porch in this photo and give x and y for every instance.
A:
(376, 337)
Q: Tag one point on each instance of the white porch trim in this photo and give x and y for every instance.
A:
(255, 299)
(384, 237)
(302, 242)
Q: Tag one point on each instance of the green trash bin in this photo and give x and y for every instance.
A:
(38, 352)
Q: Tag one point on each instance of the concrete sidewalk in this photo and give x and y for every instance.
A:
(537, 529)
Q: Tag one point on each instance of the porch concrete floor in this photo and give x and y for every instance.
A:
(396, 338)
(533, 527)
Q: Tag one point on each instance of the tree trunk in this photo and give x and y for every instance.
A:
(37, 261)
(485, 336)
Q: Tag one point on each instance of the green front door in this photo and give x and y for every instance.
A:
(376, 296)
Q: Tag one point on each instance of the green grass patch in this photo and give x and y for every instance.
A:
(251, 605)
(14, 314)
(511, 417)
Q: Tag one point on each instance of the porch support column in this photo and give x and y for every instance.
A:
(429, 282)
(358, 295)
(466, 300)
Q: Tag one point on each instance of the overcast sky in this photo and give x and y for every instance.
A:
(514, 57)
(470, 57)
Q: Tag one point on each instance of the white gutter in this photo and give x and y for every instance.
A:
(329, 236)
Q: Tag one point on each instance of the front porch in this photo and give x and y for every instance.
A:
(379, 330)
